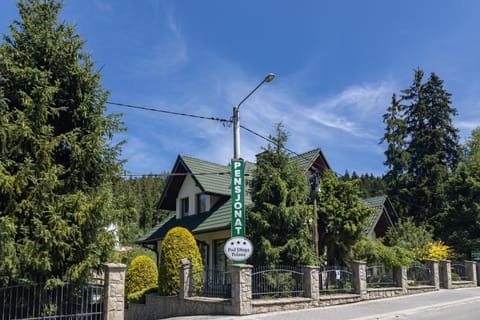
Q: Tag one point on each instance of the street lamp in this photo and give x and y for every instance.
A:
(239, 248)
(236, 118)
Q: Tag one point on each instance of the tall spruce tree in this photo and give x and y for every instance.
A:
(460, 222)
(342, 217)
(422, 148)
(278, 220)
(56, 163)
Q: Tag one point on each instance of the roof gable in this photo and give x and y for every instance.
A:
(381, 205)
(313, 158)
(211, 178)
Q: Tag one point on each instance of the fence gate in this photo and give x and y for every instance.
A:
(67, 301)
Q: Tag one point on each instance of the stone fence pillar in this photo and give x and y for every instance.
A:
(445, 274)
(434, 275)
(311, 282)
(400, 277)
(359, 269)
(114, 291)
(241, 289)
(471, 271)
(478, 273)
(185, 279)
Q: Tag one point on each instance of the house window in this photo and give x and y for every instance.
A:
(201, 203)
(184, 207)
(220, 260)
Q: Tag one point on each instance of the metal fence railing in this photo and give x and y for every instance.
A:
(459, 271)
(276, 282)
(335, 280)
(212, 282)
(419, 274)
(380, 276)
(64, 301)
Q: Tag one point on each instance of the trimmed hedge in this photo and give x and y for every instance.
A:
(141, 274)
(178, 243)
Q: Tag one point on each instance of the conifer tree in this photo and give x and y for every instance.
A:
(460, 219)
(278, 220)
(56, 163)
(342, 217)
(422, 148)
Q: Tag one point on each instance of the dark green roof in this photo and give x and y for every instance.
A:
(311, 158)
(377, 203)
(218, 218)
(211, 177)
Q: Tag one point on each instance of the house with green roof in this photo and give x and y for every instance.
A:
(198, 194)
(382, 218)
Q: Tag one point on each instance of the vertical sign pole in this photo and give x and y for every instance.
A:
(238, 204)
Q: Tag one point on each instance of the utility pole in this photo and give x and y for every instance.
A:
(314, 188)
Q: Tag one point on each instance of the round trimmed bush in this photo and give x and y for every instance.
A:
(179, 243)
(142, 274)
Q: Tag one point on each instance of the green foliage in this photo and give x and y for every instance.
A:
(178, 243)
(139, 296)
(127, 256)
(370, 186)
(341, 217)
(136, 206)
(141, 274)
(374, 251)
(422, 148)
(408, 235)
(277, 220)
(460, 220)
(56, 160)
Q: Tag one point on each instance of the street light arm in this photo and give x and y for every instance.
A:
(268, 78)
(236, 118)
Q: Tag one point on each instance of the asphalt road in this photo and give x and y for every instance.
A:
(458, 304)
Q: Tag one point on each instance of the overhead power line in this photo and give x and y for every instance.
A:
(169, 112)
(175, 174)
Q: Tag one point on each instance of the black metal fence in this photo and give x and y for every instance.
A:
(419, 274)
(214, 283)
(380, 276)
(336, 280)
(277, 282)
(64, 301)
(459, 271)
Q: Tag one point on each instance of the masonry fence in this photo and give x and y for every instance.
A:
(259, 290)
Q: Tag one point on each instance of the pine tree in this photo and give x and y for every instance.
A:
(422, 148)
(278, 220)
(341, 217)
(56, 163)
(460, 222)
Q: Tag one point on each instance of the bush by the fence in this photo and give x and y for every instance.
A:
(179, 243)
(142, 274)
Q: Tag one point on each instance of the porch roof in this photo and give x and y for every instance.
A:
(380, 204)
(218, 218)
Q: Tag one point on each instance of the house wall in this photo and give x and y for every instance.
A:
(190, 190)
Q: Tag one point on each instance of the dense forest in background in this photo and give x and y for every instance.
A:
(370, 185)
(135, 205)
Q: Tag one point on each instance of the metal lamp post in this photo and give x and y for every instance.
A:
(238, 248)
(236, 118)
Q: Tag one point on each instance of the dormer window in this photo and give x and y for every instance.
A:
(201, 203)
(184, 207)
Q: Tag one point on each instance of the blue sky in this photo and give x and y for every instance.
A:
(337, 64)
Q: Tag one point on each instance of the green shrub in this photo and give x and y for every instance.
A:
(139, 296)
(179, 243)
(374, 251)
(141, 274)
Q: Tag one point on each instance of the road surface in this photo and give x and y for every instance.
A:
(457, 304)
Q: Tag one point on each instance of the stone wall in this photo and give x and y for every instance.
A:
(158, 307)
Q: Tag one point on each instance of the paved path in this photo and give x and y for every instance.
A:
(455, 304)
